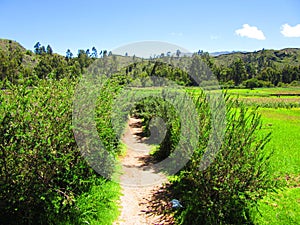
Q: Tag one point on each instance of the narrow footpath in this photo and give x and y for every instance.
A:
(140, 182)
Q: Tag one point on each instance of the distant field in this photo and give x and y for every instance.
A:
(265, 97)
(259, 92)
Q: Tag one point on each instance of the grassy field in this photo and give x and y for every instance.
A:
(269, 97)
(285, 127)
(282, 207)
(267, 92)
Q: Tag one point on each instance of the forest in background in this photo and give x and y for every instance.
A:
(264, 68)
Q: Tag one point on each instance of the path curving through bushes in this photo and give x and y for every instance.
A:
(139, 181)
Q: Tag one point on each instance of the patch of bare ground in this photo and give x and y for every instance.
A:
(145, 199)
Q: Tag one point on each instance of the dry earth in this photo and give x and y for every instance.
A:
(144, 200)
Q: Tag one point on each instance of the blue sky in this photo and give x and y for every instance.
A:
(206, 25)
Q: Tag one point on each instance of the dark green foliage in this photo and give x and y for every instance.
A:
(148, 71)
(49, 50)
(255, 83)
(42, 170)
(237, 177)
(69, 54)
(94, 53)
(271, 66)
(150, 108)
(37, 48)
(234, 181)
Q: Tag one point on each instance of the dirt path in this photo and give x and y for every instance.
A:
(139, 181)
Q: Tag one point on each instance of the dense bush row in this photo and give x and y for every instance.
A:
(42, 170)
(238, 176)
(236, 179)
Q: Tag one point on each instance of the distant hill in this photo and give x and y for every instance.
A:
(287, 56)
(6, 44)
(9, 46)
(224, 53)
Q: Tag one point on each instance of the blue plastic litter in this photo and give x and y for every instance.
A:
(176, 204)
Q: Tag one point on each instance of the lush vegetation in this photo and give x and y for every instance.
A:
(44, 177)
(238, 177)
(46, 180)
(265, 68)
(282, 206)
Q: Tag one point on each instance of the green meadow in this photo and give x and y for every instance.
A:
(282, 207)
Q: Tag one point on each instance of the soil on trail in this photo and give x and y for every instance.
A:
(142, 186)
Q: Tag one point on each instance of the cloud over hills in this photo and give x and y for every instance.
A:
(290, 31)
(250, 32)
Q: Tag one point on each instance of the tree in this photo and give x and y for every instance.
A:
(200, 52)
(43, 68)
(49, 50)
(239, 72)
(94, 53)
(252, 83)
(87, 52)
(83, 59)
(42, 50)
(37, 48)
(199, 70)
(104, 53)
(178, 52)
(206, 58)
(69, 54)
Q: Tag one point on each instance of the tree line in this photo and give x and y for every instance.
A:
(260, 69)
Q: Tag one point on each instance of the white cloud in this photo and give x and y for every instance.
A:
(250, 32)
(289, 31)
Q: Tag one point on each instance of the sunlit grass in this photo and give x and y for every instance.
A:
(285, 127)
(99, 206)
(282, 207)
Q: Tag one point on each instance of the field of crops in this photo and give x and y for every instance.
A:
(269, 97)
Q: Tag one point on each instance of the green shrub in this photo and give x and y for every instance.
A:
(255, 83)
(234, 181)
(150, 108)
(281, 84)
(98, 206)
(42, 170)
(295, 83)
